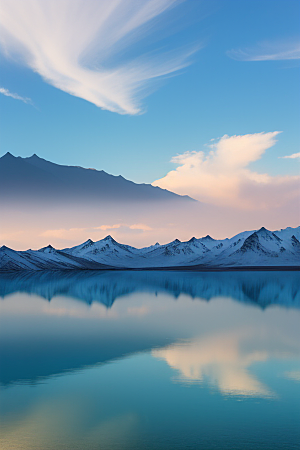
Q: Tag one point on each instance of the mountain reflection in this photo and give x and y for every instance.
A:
(261, 288)
(216, 342)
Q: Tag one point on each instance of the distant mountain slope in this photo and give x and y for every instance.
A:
(251, 248)
(37, 179)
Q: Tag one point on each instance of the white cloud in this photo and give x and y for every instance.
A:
(7, 93)
(73, 45)
(222, 176)
(293, 156)
(268, 51)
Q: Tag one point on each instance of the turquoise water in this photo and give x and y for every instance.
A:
(150, 360)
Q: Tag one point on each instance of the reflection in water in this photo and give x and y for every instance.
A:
(111, 371)
(262, 288)
(218, 360)
(293, 375)
(225, 359)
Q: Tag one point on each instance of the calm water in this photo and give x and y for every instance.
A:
(150, 360)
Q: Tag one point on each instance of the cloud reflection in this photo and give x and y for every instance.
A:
(293, 375)
(224, 361)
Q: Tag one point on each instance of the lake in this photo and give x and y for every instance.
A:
(150, 360)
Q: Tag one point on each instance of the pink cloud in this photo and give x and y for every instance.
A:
(222, 176)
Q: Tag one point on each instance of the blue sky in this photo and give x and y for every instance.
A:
(217, 94)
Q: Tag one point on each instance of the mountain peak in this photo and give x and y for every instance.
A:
(89, 241)
(109, 238)
(263, 229)
(36, 158)
(7, 155)
(207, 238)
(267, 234)
(48, 249)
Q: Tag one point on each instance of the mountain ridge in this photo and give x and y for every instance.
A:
(258, 248)
(35, 178)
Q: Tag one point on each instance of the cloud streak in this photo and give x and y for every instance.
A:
(293, 156)
(87, 48)
(7, 93)
(268, 51)
(82, 233)
(135, 226)
(222, 176)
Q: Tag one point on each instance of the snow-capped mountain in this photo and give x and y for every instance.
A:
(104, 250)
(257, 248)
(46, 258)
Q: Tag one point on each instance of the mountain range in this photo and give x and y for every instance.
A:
(34, 179)
(259, 248)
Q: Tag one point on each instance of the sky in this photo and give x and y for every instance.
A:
(199, 97)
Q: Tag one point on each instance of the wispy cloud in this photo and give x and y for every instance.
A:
(62, 233)
(109, 227)
(84, 233)
(293, 156)
(140, 226)
(268, 51)
(73, 45)
(7, 93)
(222, 176)
(135, 226)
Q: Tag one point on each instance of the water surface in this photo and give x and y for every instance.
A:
(150, 360)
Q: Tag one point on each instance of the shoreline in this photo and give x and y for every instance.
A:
(197, 268)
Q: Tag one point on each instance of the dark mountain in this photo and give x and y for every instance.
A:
(35, 178)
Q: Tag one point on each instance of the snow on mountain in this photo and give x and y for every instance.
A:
(46, 258)
(250, 248)
(223, 248)
(174, 253)
(105, 251)
(288, 233)
(260, 248)
(13, 260)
